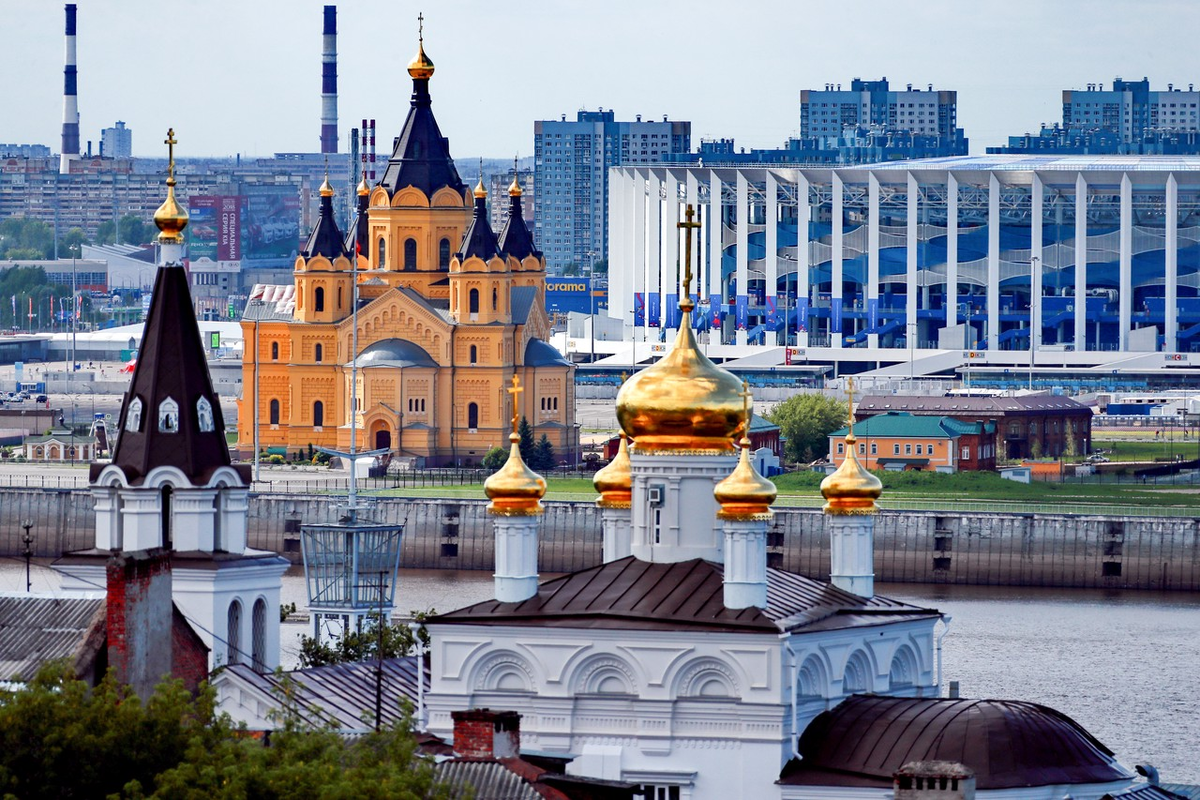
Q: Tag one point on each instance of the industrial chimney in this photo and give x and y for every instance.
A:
(329, 133)
(70, 127)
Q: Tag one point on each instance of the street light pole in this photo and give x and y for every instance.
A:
(27, 539)
(1035, 302)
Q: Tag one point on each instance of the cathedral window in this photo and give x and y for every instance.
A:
(444, 254)
(318, 352)
(234, 633)
(204, 415)
(318, 414)
(274, 412)
(168, 416)
(473, 301)
(133, 419)
(382, 250)
(274, 351)
(495, 299)
(319, 299)
(258, 635)
(474, 354)
(410, 254)
(473, 416)
(339, 305)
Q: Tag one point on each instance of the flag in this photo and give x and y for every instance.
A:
(14, 299)
(31, 307)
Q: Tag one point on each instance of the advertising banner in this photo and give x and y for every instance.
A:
(639, 309)
(203, 225)
(270, 222)
(229, 235)
(873, 314)
(673, 312)
(655, 301)
(835, 311)
(772, 313)
(714, 310)
(743, 311)
(801, 314)
(569, 294)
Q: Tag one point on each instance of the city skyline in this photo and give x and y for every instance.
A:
(236, 90)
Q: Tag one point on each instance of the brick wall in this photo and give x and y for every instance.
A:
(189, 654)
(483, 733)
(139, 614)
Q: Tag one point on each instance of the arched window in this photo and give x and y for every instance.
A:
(233, 633)
(318, 414)
(166, 517)
(274, 412)
(258, 635)
(382, 254)
(339, 298)
(410, 254)
(318, 352)
(474, 354)
(473, 416)
(495, 299)
(319, 299)
(473, 301)
(274, 351)
(444, 254)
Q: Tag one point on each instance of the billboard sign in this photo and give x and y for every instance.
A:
(214, 227)
(569, 294)
(270, 223)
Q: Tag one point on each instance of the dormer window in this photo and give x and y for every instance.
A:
(204, 415)
(168, 416)
(133, 418)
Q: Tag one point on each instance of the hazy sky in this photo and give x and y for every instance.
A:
(244, 77)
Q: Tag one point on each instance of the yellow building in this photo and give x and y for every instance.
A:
(448, 313)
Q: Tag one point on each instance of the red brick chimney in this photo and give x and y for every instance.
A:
(140, 618)
(483, 733)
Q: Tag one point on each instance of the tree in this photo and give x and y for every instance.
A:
(543, 455)
(71, 243)
(494, 459)
(525, 431)
(132, 229)
(805, 421)
(24, 238)
(364, 645)
(600, 267)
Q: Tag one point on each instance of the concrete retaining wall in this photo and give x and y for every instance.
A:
(1053, 550)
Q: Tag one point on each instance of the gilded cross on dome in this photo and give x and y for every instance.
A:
(420, 27)
(515, 391)
(746, 396)
(687, 226)
(850, 403)
(170, 142)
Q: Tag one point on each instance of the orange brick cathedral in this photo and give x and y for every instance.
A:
(448, 312)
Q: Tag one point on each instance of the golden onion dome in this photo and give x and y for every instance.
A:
(515, 490)
(682, 403)
(480, 192)
(421, 67)
(170, 217)
(851, 489)
(514, 188)
(615, 481)
(363, 189)
(326, 189)
(744, 494)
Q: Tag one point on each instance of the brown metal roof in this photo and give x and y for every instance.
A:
(865, 739)
(634, 594)
(35, 630)
(950, 406)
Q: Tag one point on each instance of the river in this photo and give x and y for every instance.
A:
(1124, 664)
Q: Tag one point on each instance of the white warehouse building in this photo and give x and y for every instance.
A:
(931, 260)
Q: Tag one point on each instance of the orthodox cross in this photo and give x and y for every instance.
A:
(515, 391)
(421, 28)
(850, 396)
(170, 142)
(687, 226)
(745, 394)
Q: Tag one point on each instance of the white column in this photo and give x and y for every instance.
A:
(1172, 255)
(872, 283)
(1125, 265)
(993, 265)
(743, 245)
(912, 329)
(638, 260)
(234, 507)
(745, 582)
(616, 528)
(771, 266)
(952, 251)
(193, 519)
(714, 246)
(691, 197)
(835, 288)
(852, 550)
(656, 277)
(108, 518)
(1081, 255)
(620, 292)
(1035, 256)
(803, 216)
(672, 277)
(516, 576)
(141, 519)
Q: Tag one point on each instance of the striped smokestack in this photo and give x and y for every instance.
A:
(70, 126)
(329, 133)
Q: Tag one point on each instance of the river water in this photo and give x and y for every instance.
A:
(1124, 664)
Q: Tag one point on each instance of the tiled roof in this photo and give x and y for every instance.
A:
(325, 239)
(421, 157)
(922, 404)
(904, 426)
(541, 354)
(687, 595)
(522, 303)
(35, 630)
(270, 302)
(515, 238)
(480, 240)
(760, 424)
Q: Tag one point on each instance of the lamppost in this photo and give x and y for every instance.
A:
(27, 539)
(1035, 302)
(591, 254)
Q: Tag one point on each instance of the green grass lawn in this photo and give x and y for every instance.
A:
(1124, 450)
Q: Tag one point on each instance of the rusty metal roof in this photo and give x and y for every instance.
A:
(38, 629)
(633, 594)
(865, 739)
(494, 779)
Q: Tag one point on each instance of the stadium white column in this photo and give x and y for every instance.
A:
(1125, 265)
(1172, 265)
(714, 248)
(771, 267)
(656, 280)
(993, 265)
(912, 329)
(637, 252)
(1035, 256)
(670, 236)
(1081, 250)
(620, 293)
(743, 247)
(691, 193)
(952, 251)
(835, 287)
(803, 215)
(872, 283)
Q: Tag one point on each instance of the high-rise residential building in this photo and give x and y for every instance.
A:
(498, 211)
(1128, 119)
(117, 141)
(875, 106)
(571, 163)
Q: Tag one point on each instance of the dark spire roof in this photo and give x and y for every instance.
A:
(176, 415)
(325, 239)
(421, 157)
(357, 239)
(515, 238)
(479, 240)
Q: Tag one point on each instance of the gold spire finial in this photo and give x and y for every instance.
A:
(480, 192)
(687, 226)
(851, 489)
(421, 67)
(746, 396)
(326, 189)
(514, 189)
(421, 27)
(850, 404)
(170, 217)
(363, 188)
(745, 494)
(515, 391)
(615, 481)
(515, 490)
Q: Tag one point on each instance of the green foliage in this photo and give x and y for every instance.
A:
(543, 455)
(600, 267)
(23, 238)
(286, 610)
(1035, 448)
(276, 458)
(71, 244)
(364, 645)
(525, 431)
(570, 270)
(806, 420)
(133, 230)
(494, 459)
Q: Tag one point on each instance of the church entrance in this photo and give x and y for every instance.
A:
(383, 439)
